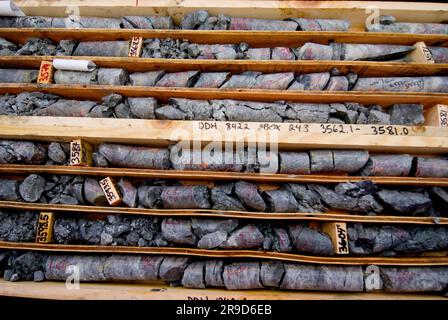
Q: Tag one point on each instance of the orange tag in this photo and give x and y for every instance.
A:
(45, 72)
(135, 48)
(44, 232)
(80, 153)
(110, 191)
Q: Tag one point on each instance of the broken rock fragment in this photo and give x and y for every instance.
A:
(211, 79)
(406, 114)
(178, 79)
(93, 192)
(377, 52)
(143, 108)
(315, 51)
(281, 201)
(321, 24)
(32, 188)
(67, 108)
(102, 48)
(414, 279)
(18, 75)
(128, 267)
(186, 197)
(388, 165)
(246, 237)
(274, 81)
(194, 275)
(271, 273)
(203, 227)
(311, 81)
(56, 153)
(246, 80)
(212, 240)
(75, 77)
(128, 192)
(310, 241)
(249, 196)
(321, 161)
(135, 156)
(172, 268)
(21, 152)
(260, 24)
(148, 79)
(258, 54)
(294, 162)
(349, 161)
(213, 273)
(112, 76)
(405, 202)
(326, 278)
(178, 231)
(431, 167)
(242, 275)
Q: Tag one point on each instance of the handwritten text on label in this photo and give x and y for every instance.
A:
(110, 191)
(45, 227)
(45, 72)
(135, 48)
(324, 128)
(80, 153)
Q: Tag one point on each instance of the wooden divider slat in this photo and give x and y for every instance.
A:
(424, 140)
(157, 291)
(96, 92)
(216, 175)
(362, 68)
(254, 38)
(328, 216)
(333, 260)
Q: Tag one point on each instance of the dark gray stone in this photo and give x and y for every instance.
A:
(32, 188)
(56, 153)
(405, 202)
(406, 114)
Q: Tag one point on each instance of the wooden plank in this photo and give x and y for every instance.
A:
(437, 115)
(362, 68)
(327, 216)
(96, 92)
(333, 260)
(216, 175)
(355, 11)
(424, 140)
(138, 291)
(254, 38)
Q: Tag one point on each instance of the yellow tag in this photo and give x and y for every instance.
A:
(110, 191)
(135, 48)
(338, 235)
(80, 153)
(44, 232)
(45, 72)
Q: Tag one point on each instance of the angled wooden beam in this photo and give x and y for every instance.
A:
(322, 217)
